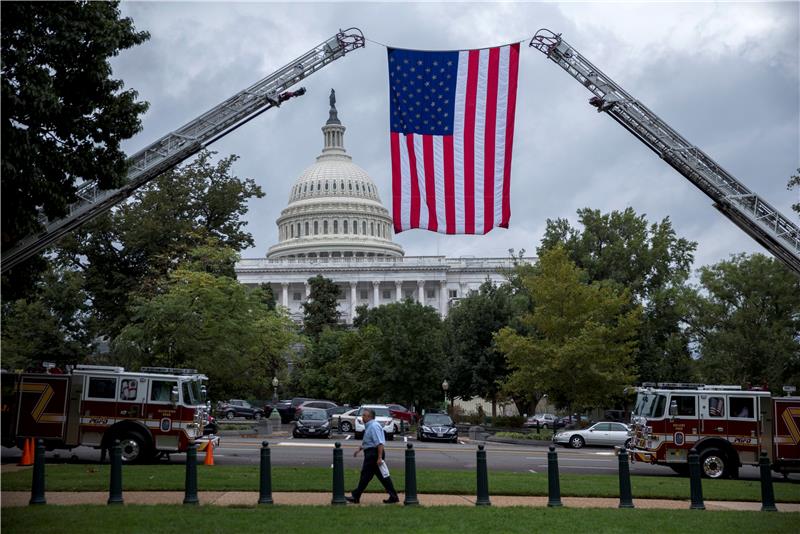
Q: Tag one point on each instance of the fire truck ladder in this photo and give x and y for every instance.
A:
(747, 210)
(187, 140)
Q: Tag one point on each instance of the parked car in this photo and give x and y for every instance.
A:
(605, 433)
(382, 416)
(346, 421)
(288, 408)
(336, 410)
(316, 404)
(437, 426)
(312, 423)
(543, 420)
(239, 408)
(402, 413)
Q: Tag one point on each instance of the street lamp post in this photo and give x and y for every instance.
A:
(445, 387)
(275, 388)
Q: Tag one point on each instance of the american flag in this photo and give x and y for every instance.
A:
(452, 131)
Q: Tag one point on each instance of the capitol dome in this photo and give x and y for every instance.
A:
(334, 210)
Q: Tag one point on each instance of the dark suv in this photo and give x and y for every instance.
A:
(288, 408)
(239, 408)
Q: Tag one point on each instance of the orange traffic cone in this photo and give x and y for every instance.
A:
(209, 454)
(27, 453)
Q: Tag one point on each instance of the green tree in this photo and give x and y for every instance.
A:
(746, 322)
(64, 117)
(475, 367)
(649, 260)
(319, 310)
(794, 182)
(584, 335)
(319, 368)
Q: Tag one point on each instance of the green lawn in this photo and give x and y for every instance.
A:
(460, 519)
(245, 478)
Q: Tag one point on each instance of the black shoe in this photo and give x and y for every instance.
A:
(352, 500)
(391, 500)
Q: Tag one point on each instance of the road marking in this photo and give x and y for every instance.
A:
(587, 467)
(348, 436)
(605, 453)
(405, 439)
(287, 444)
(532, 471)
(571, 459)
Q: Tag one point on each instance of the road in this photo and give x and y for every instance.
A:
(286, 451)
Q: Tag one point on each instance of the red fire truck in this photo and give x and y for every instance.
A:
(152, 412)
(729, 426)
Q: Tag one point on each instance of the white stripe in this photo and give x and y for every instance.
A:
(423, 198)
(438, 173)
(458, 138)
(297, 444)
(500, 133)
(480, 137)
(405, 186)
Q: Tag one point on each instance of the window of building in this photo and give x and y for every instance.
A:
(316, 227)
(431, 293)
(357, 186)
(296, 295)
(364, 294)
(409, 294)
(306, 227)
(453, 293)
(160, 390)
(716, 407)
(305, 188)
(292, 230)
(372, 229)
(335, 227)
(102, 388)
(686, 405)
(355, 227)
(387, 294)
(351, 186)
(324, 227)
(334, 186)
(364, 227)
(298, 229)
(345, 227)
(742, 407)
(326, 185)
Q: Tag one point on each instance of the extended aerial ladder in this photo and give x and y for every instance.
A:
(747, 210)
(187, 140)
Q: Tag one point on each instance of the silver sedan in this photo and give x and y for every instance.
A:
(607, 434)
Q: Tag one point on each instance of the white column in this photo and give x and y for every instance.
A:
(398, 290)
(421, 292)
(376, 294)
(352, 301)
(285, 294)
(308, 290)
(463, 289)
(443, 298)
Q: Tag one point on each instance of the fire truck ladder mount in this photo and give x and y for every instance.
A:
(177, 146)
(748, 211)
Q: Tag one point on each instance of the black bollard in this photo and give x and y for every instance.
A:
(115, 488)
(553, 484)
(695, 484)
(625, 495)
(37, 486)
(265, 484)
(483, 479)
(767, 495)
(411, 477)
(338, 476)
(190, 496)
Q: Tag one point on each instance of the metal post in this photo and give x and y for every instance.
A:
(695, 484)
(37, 485)
(338, 476)
(553, 485)
(483, 479)
(411, 477)
(767, 495)
(190, 496)
(265, 483)
(625, 495)
(115, 487)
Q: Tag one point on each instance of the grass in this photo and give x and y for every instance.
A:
(317, 479)
(545, 435)
(288, 519)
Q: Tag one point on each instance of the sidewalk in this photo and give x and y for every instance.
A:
(250, 498)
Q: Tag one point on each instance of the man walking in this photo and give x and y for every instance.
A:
(372, 445)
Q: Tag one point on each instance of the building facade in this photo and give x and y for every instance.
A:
(336, 226)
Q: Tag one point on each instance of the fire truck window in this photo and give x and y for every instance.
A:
(742, 407)
(102, 388)
(187, 396)
(160, 390)
(686, 404)
(716, 407)
(128, 389)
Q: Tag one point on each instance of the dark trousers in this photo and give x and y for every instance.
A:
(370, 469)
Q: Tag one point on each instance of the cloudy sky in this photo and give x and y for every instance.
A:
(725, 75)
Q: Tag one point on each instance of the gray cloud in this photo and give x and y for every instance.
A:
(724, 75)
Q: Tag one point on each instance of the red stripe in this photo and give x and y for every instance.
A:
(513, 63)
(469, 142)
(489, 135)
(397, 184)
(449, 183)
(412, 164)
(430, 182)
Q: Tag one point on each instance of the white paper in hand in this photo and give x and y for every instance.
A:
(384, 469)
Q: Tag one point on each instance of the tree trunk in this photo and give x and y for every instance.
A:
(494, 406)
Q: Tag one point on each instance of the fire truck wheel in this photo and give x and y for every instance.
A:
(229, 415)
(134, 447)
(576, 442)
(713, 463)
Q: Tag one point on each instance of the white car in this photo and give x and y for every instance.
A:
(605, 433)
(382, 416)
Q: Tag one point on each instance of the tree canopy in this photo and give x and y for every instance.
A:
(320, 309)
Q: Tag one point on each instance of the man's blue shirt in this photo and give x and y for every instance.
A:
(373, 435)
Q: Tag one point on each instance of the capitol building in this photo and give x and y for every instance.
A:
(335, 225)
